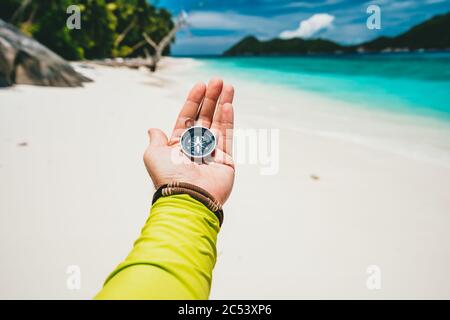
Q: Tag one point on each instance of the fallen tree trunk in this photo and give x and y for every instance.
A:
(133, 63)
(24, 60)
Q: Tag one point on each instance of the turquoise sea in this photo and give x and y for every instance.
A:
(416, 83)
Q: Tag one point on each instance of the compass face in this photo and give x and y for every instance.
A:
(198, 142)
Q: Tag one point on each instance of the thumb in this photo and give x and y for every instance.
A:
(157, 137)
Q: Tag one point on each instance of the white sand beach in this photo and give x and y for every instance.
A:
(353, 187)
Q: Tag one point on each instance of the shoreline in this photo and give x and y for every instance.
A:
(336, 110)
(394, 85)
(312, 55)
(72, 164)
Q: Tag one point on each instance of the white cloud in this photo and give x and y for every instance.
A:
(310, 26)
(211, 20)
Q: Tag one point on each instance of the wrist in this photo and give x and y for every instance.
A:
(194, 192)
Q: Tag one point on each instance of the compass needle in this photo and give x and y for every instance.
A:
(198, 142)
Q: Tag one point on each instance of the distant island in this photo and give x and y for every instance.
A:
(432, 34)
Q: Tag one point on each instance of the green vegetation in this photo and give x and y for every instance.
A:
(108, 28)
(430, 35)
(252, 46)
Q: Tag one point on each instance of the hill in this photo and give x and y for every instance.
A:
(252, 46)
(429, 35)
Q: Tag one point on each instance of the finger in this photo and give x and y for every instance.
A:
(223, 127)
(189, 111)
(227, 95)
(157, 138)
(208, 107)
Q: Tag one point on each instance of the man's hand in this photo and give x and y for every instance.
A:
(164, 160)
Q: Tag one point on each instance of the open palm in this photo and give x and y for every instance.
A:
(211, 107)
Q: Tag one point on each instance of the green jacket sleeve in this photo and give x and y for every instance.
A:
(174, 256)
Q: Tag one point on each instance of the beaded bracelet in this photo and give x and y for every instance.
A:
(195, 192)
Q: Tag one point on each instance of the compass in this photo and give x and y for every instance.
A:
(198, 142)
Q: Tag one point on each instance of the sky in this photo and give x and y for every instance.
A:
(215, 25)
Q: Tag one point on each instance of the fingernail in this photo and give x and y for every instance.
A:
(189, 123)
